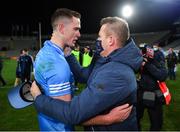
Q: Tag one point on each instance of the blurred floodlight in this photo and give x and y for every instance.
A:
(127, 11)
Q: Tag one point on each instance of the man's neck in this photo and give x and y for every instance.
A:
(110, 50)
(56, 39)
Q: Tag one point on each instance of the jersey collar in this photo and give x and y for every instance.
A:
(57, 48)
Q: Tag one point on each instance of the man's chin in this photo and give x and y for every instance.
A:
(71, 45)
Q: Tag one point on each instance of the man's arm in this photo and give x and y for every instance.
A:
(117, 114)
(80, 73)
(99, 97)
(57, 79)
(158, 71)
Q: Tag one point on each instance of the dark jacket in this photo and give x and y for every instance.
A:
(171, 60)
(153, 71)
(26, 65)
(112, 82)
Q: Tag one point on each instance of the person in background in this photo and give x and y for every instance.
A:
(171, 64)
(111, 82)
(77, 53)
(26, 65)
(179, 56)
(1, 68)
(159, 52)
(152, 70)
(87, 57)
(18, 71)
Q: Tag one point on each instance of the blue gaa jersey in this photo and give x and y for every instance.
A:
(53, 73)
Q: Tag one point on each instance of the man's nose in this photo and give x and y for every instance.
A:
(79, 34)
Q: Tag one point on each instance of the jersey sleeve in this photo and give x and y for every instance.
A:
(57, 76)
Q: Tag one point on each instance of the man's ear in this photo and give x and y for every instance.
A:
(61, 28)
(111, 40)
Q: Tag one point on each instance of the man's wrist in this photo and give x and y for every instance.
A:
(35, 96)
(107, 119)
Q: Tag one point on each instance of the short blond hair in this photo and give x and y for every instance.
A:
(119, 26)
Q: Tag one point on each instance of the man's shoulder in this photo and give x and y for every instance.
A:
(114, 69)
(27, 56)
(46, 53)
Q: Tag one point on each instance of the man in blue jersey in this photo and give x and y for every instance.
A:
(52, 71)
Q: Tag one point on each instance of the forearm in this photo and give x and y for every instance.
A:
(98, 120)
(66, 112)
(54, 108)
(81, 74)
(80, 108)
(117, 114)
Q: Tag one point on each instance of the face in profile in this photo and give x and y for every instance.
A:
(71, 31)
(104, 40)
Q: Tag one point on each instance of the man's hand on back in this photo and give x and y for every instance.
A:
(119, 114)
(35, 91)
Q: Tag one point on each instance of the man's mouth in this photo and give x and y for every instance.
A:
(74, 41)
